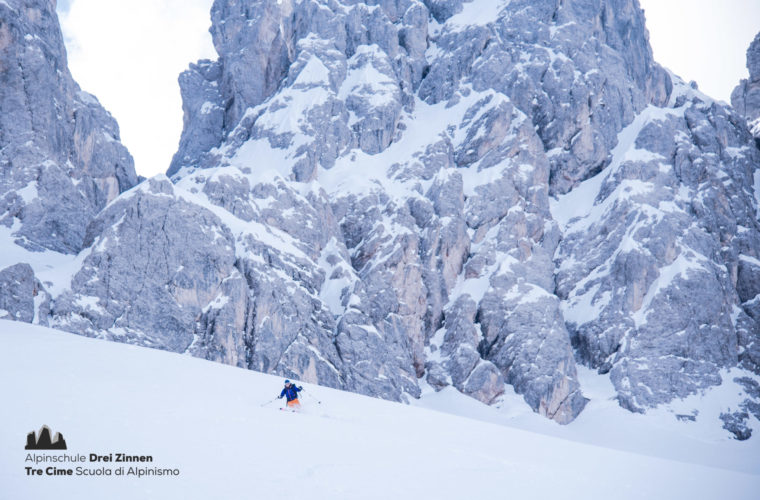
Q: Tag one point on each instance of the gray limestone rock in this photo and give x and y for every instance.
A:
(736, 424)
(22, 294)
(154, 262)
(203, 120)
(751, 404)
(746, 96)
(668, 236)
(60, 157)
(441, 10)
(567, 66)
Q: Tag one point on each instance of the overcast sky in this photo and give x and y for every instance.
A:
(129, 54)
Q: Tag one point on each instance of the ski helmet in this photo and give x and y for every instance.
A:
(287, 382)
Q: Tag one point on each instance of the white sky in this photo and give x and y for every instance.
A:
(704, 40)
(129, 54)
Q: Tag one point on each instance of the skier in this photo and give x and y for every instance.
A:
(291, 394)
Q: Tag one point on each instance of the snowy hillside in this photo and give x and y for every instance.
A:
(206, 420)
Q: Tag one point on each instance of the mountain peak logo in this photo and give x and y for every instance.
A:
(43, 441)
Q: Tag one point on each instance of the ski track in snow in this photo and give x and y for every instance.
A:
(207, 420)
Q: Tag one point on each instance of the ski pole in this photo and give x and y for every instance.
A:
(312, 397)
(270, 401)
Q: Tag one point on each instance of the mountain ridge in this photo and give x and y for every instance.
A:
(370, 193)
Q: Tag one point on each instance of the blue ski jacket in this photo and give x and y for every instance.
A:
(291, 392)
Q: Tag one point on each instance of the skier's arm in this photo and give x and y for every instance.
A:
(299, 389)
(281, 394)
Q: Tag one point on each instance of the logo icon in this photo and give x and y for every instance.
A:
(43, 440)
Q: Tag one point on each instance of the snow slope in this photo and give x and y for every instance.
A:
(206, 419)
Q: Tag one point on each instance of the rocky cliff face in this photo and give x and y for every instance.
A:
(372, 194)
(746, 100)
(61, 160)
(746, 96)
